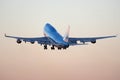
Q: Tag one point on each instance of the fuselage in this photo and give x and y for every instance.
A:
(55, 38)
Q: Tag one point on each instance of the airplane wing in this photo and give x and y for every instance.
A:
(40, 40)
(73, 41)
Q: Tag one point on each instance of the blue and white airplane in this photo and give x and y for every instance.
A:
(54, 39)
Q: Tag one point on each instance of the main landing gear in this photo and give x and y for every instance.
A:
(45, 47)
(59, 48)
(52, 48)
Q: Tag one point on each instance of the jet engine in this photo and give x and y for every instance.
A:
(32, 42)
(93, 41)
(18, 41)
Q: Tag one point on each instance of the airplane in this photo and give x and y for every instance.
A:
(54, 39)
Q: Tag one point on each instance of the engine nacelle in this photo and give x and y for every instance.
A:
(32, 42)
(93, 41)
(18, 41)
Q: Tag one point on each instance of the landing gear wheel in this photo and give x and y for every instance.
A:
(45, 47)
(64, 48)
(59, 48)
(52, 48)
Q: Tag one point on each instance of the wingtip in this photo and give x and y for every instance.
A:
(117, 35)
(5, 35)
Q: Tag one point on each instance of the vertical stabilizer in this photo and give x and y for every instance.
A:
(66, 36)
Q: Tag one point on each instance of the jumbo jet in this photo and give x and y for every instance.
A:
(54, 39)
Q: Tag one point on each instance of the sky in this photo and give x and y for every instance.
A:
(87, 18)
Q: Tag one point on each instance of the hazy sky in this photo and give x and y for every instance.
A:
(86, 18)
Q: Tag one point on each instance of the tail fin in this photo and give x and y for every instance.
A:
(66, 36)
